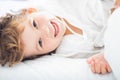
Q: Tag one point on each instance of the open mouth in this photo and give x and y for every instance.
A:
(56, 28)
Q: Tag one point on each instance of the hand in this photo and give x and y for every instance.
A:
(98, 64)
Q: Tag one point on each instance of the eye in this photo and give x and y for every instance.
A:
(40, 42)
(34, 24)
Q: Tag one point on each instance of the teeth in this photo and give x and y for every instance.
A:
(54, 28)
(53, 25)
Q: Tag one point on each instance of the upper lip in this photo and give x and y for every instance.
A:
(55, 25)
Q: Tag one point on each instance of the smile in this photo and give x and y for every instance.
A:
(56, 27)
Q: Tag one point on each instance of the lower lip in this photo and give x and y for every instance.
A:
(56, 27)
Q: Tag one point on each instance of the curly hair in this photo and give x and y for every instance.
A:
(11, 49)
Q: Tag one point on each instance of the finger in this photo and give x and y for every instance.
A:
(103, 68)
(108, 68)
(92, 65)
(89, 60)
(97, 67)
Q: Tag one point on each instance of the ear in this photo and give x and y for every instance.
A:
(28, 10)
(31, 10)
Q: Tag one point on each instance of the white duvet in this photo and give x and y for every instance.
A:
(66, 64)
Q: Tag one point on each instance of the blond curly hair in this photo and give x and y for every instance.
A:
(11, 48)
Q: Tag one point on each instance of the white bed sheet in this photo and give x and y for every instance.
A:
(52, 68)
(49, 67)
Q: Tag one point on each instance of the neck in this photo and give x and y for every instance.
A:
(74, 28)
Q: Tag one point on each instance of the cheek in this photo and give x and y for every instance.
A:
(52, 44)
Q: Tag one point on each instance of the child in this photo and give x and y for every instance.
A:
(32, 33)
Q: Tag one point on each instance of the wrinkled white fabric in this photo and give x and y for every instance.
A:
(91, 18)
(112, 43)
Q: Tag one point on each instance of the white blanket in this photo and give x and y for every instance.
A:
(112, 43)
(57, 67)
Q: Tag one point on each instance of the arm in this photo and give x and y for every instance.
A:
(97, 63)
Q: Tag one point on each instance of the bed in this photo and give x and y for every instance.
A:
(53, 67)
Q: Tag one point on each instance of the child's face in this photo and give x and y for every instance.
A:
(42, 33)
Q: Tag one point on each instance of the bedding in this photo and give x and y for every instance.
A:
(112, 51)
(60, 66)
(52, 68)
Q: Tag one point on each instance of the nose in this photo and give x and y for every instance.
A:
(46, 31)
